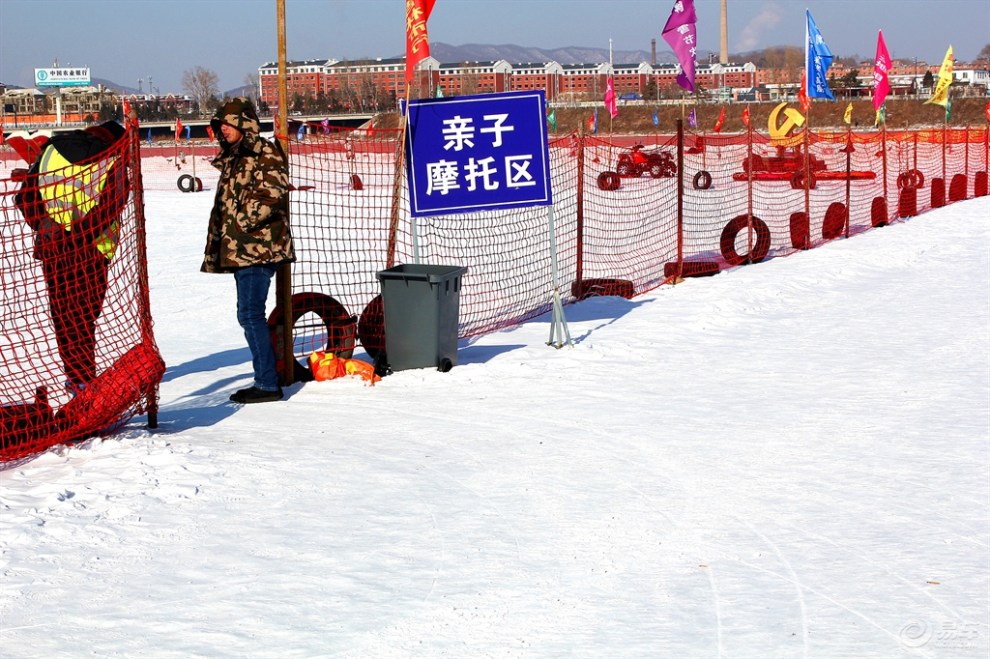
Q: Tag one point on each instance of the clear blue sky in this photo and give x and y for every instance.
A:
(124, 40)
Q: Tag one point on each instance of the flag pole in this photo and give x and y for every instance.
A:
(883, 143)
(606, 91)
(393, 228)
(848, 150)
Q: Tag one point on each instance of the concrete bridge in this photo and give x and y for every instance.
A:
(197, 127)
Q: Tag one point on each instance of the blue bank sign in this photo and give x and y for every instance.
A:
(471, 153)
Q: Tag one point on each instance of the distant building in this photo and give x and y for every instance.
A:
(77, 105)
(362, 84)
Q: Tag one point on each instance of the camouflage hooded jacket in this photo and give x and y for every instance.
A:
(249, 222)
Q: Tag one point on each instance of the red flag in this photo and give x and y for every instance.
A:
(720, 120)
(803, 94)
(881, 71)
(746, 116)
(988, 111)
(178, 129)
(130, 117)
(209, 133)
(417, 38)
(610, 104)
(1, 135)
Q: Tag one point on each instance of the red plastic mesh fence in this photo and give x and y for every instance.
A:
(743, 198)
(77, 352)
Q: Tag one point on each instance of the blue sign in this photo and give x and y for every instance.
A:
(471, 153)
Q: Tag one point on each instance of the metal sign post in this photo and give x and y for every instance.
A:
(559, 332)
(484, 152)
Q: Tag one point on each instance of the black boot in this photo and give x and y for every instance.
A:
(255, 395)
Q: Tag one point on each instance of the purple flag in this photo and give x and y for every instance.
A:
(680, 33)
(692, 119)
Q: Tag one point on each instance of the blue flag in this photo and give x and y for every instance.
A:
(656, 118)
(692, 119)
(595, 129)
(188, 131)
(149, 137)
(302, 131)
(818, 59)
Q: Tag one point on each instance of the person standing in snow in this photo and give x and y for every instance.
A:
(73, 197)
(248, 232)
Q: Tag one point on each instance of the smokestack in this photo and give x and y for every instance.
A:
(723, 55)
(653, 51)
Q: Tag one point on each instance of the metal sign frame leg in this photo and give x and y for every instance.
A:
(559, 332)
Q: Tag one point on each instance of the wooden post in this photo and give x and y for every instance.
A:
(283, 278)
(140, 228)
(579, 245)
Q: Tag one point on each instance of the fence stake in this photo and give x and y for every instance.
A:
(680, 198)
(579, 244)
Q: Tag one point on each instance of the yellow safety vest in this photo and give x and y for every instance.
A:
(70, 191)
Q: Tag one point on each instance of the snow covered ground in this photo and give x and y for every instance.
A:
(790, 459)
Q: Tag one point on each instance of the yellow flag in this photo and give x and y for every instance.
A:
(848, 116)
(940, 95)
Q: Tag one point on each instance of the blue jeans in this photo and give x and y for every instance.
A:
(252, 293)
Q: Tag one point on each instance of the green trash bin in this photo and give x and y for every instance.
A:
(421, 315)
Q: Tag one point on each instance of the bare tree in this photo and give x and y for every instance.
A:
(201, 84)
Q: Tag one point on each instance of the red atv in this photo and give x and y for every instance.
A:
(783, 163)
(637, 161)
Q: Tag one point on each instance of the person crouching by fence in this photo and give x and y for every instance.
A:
(248, 233)
(72, 197)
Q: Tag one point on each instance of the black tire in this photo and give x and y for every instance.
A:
(797, 181)
(910, 180)
(371, 328)
(980, 186)
(185, 183)
(727, 243)
(609, 181)
(656, 170)
(702, 180)
(878, 212)
(336, 324)
(669, 168)
(800, 230)
(624, 169)
(835, 220)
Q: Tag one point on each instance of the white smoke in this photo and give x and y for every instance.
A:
(752, 35)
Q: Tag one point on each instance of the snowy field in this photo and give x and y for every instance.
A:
(790, 459)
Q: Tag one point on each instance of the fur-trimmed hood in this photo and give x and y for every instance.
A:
(239, 113)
